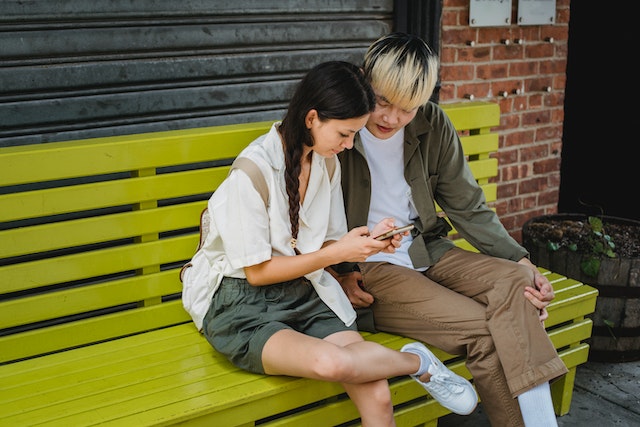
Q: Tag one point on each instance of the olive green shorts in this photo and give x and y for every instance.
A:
(242, 318)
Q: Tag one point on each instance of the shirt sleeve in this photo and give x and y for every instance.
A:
(242, 221)
(463, 200)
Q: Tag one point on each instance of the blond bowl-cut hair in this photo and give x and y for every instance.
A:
(403, 69)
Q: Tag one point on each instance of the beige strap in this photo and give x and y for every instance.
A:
(257, 178)
(255, 174)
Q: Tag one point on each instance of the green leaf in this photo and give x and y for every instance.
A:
(598, 248)
(573, 247)
(553, 246)
(590, 266)
(595, 223)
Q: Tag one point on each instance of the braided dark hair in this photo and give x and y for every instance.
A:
(336, 90)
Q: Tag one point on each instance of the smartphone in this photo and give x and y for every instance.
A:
(394, 231)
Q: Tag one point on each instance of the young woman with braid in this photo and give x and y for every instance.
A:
(264, 298)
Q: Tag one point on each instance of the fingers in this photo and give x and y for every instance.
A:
(536, 298)
(359, 298)
(352, 285)
(544, 315)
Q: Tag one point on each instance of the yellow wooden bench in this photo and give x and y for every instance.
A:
(92, 329)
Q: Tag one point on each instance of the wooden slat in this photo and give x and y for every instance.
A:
(63, 160)
(479, 144)
(571, 334)
(482, 169)
(473, 115)
(35, 274)
(92, 330)
(86, 197)
(573, 303)
(52, 305)
(69, 234)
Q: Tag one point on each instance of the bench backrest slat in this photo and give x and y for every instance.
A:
(67, 302)
(93, 233)
(98, 156)
(87, 231)
(92, 330)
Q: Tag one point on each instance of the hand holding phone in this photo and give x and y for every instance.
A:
(394, 231)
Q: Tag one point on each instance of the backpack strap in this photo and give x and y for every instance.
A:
(331, 166)
(255, 174)
(257, 178)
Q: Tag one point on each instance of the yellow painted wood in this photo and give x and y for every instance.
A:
(110, 193)
(94, 329)
(475, 145)
(562, 389)
(34, 274)
(68, 234)
(78, 300)
(573, 304)
(63, 160)
(562, 393)
(472, 115)
(573, 333)
(138, 360)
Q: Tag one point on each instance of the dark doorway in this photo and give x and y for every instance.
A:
(599, 168)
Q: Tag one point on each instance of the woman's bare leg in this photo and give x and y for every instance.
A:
(362, 368)
(372, 399)
(343, 357)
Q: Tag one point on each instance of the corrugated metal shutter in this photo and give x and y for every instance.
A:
(80, 69)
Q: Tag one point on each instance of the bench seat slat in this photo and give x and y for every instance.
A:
(576, 332)
(159, 373)
(575, 303)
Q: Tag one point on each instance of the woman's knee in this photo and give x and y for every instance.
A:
(334, 366)
(380, 394)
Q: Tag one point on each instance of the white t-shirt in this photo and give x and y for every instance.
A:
(245, 232)
(390, 193)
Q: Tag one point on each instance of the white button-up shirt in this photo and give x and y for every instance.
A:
(245, 232)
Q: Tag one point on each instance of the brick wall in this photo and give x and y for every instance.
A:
(522, 68)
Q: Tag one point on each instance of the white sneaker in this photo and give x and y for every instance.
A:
(451, 390)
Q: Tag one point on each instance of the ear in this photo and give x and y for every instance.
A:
(311, 116)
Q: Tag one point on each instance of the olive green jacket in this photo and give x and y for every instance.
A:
(437, 171)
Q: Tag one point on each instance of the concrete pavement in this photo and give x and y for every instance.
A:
(604, 395)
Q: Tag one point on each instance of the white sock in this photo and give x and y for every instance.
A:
(425, 362)
(537, 407)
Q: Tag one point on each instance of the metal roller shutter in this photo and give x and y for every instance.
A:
(78, 69)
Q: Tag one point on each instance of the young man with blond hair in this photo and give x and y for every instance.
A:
(489, 305)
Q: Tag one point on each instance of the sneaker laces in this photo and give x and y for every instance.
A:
(443, 383)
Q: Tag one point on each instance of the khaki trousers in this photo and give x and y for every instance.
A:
(474, 305)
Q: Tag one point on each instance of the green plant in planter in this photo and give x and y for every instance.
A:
(598, 243)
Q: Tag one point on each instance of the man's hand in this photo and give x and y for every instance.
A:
(540, 293)
(351, 284)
